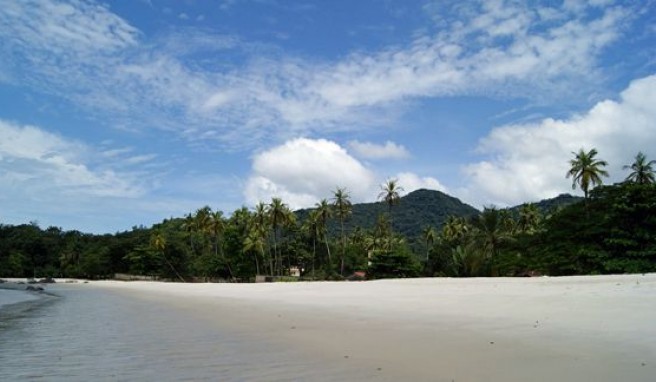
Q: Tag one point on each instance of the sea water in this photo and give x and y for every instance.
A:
(87, 334)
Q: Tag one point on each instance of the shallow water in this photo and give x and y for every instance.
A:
(91, 334)
(9, 296)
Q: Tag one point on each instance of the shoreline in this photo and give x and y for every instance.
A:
(566, 328)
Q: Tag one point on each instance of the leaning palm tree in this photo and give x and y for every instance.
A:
(343, 209)
(158, 243)
(642, 171)
(390, 194)
(586, 170)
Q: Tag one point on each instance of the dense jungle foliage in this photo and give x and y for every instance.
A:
(425, 233)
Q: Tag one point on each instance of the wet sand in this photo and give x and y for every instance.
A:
(597, 328)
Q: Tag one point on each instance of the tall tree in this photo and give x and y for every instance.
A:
(429, 235)
(343, 209)
(391, 195)
(158, 243)
(642, 171)
(586, 170)
(279, 216)
(255, 241)
(529, 218)
(311, 228)
(216, 226)
(324, 212)
(490, 231)
(189, 226)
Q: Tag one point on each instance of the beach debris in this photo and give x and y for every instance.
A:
(346, 356)
(491, 342)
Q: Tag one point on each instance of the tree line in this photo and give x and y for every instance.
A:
(612, 230)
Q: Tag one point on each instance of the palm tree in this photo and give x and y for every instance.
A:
(261, 224)
(216, 226)
(203, 222)
(158, 243)
(586, 170)
(343, 209)
(311, 227)
(255, 241)
(390, 194)
(454, 228)
(279, 215)
(490, 231)
(643, 172)
(189, 226)
(324, 212)
(529, 218)
(429, 235)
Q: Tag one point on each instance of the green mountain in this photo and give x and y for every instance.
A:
(549, 206)
(423, 208)
(416, 210)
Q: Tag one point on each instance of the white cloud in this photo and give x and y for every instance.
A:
(101, 63)
(371, 150)
(528, 162)
(303, 171)
(36, 162)
(411, 182)
(78, 27)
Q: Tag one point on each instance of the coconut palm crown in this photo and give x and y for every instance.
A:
(586, 170)
(642, 171)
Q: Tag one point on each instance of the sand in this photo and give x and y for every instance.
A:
(596, 328)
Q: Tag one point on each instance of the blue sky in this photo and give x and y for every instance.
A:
(124, 113)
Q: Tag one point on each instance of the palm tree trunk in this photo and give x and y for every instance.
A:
(330, 261)
(172, 268)
(314, 253)
(257, 263)
(341, 266)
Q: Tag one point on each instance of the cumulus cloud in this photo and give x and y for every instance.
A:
(303, 171)
(371, 150)
(528, 162)
(411, 182)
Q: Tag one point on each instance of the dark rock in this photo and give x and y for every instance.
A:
(47, 280)
(33, 288)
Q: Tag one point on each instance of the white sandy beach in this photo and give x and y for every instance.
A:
(588, 328)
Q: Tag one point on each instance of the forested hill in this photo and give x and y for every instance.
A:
(424, 208)
(549, 206)
(416, 210)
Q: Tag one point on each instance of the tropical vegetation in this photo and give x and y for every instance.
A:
(424, 233)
